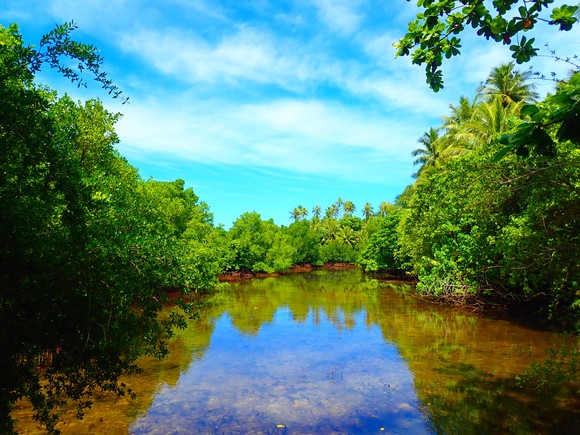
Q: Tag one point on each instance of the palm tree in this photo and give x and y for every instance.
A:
(403, 198)
(331, 212)
(428, 154)
(455, 142)
(349, 208)
(338, 204)
(330, 227)
(316, 213)
(459, 113)
(489, 120)
(367, 211)
(386, 208)
(510, 84)
(298, 213)
(347, 236)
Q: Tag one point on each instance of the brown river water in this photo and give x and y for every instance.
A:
(332, 352)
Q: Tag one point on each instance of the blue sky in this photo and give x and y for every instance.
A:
(264, 105)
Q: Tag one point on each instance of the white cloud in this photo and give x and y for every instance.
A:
(411, 95)
(310, 89)
(247, 54)
(380, 47)
(303, 136)
(257, 57)
(317, 122)
(476, 61)
(341, 15)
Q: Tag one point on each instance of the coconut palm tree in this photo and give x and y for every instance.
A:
(348, 208)
(298, 213)
(316, 213)
(455, 141)
(330, 228)
(368, 211)
(338, 204)
(331, 212)
(460, 113)
(489, 120)
(510, 84)
(387, 208)
(347, 236)
(427, 155)
(403, 198)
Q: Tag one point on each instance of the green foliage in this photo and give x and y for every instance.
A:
(443, 240)
(298, 213)
(564, 17)
(381, 249)
(259, 246)
(492, 223)
(306, 242)
(54, 47)
(561, 367)
(88, 251)
(337, 252)
(433, 35)
(561, 110)
(186, 225)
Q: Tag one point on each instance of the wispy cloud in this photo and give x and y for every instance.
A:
(245, 54)
(303, 136)
(316, 122)
(340, 15)
(250, 56)
(250, 95)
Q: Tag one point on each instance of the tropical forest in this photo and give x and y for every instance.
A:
(452, 308)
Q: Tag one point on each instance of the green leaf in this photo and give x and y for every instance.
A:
(529, 110)
(564, 17)
(575, 80)
(498, 25)
(543, 143)
(570, 130)
(504, 151)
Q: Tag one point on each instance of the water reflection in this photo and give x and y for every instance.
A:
(329, 352)
(309, 376)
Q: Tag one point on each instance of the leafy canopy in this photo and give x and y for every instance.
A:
(89, 252)
(434, 34)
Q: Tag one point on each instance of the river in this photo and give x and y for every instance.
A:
(334, 352)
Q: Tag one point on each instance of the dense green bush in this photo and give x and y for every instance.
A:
(382, 248)
(88, 250)
(501, 219)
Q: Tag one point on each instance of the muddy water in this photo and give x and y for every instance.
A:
(333, 352)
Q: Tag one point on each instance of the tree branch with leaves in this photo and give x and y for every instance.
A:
(434, 34)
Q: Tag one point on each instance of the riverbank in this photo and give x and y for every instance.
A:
(248, 274)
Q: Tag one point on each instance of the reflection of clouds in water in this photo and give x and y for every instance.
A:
(310, 376)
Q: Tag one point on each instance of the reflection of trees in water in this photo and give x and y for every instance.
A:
(337, 295)
(112, 414)
(465, 367)
(463, 364)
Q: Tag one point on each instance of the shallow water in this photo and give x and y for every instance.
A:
(333, 352)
